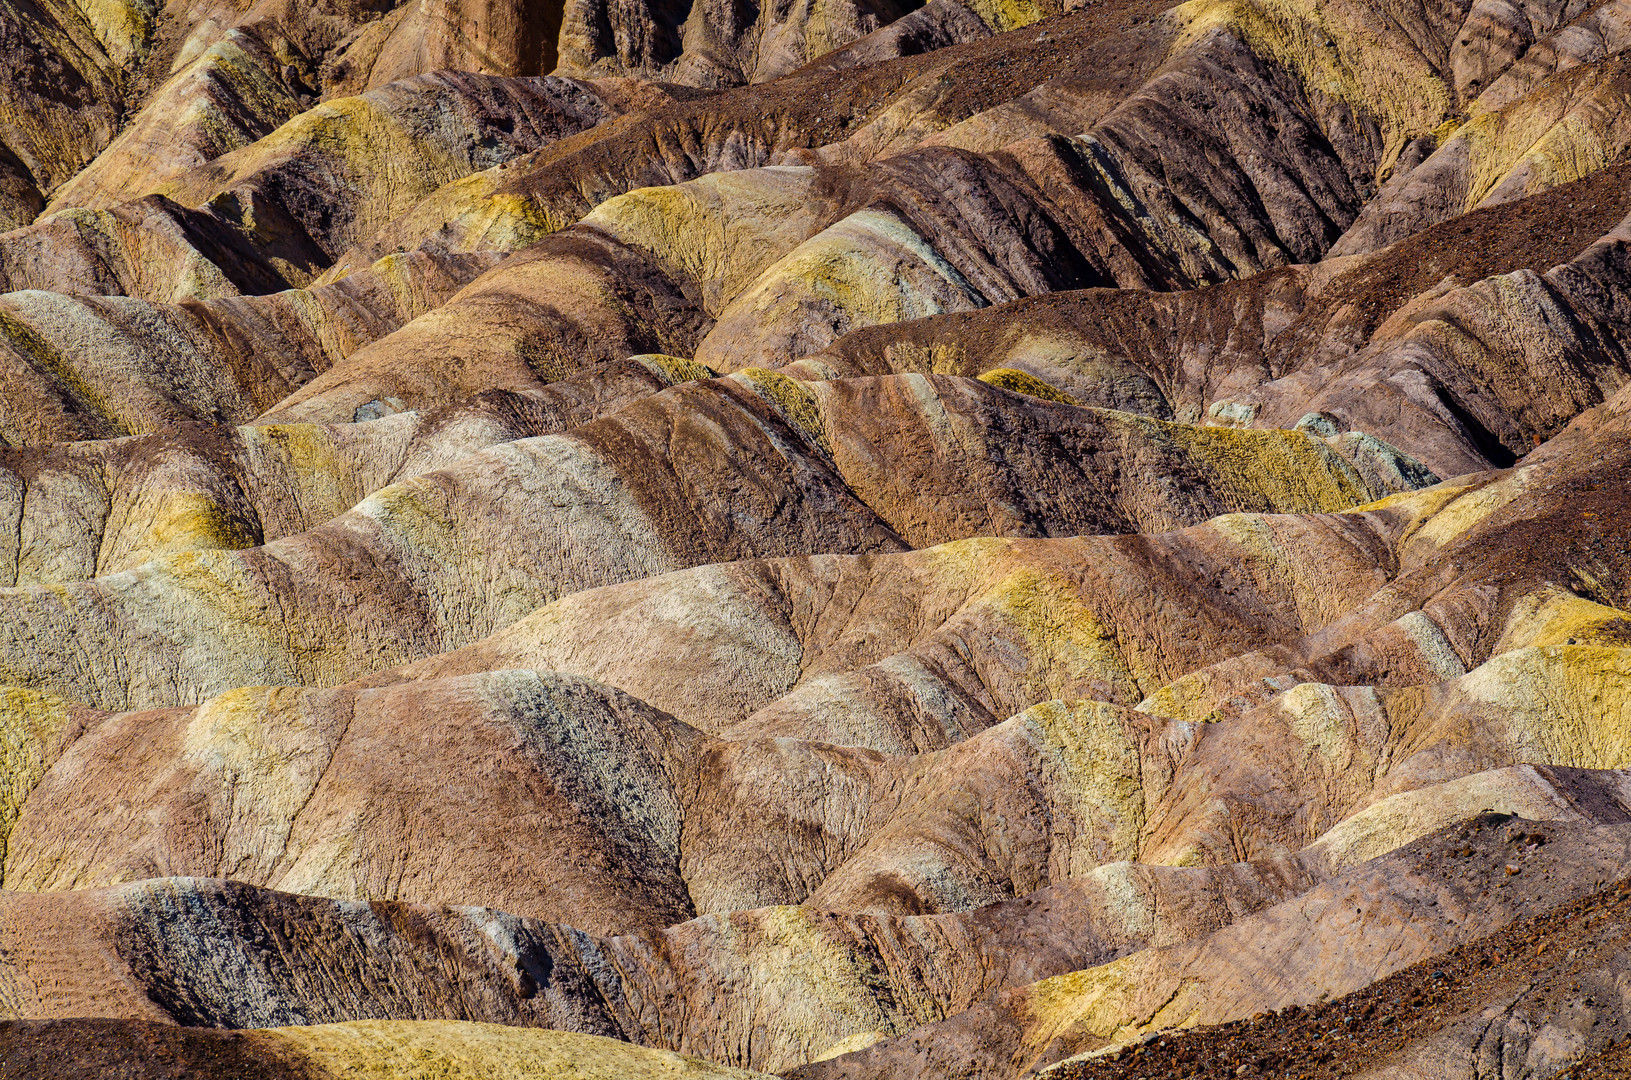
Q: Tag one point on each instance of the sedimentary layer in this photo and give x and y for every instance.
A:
(834, 540)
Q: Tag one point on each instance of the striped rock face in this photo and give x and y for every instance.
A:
(842, 540)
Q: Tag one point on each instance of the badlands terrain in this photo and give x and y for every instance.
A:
(834, 540)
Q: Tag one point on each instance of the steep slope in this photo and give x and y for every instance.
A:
(786, 261)
(1537, 992)
(272, 214)
(1465, 345)
(70, 74)
(230, 95)
(59, 102)
(854, 113)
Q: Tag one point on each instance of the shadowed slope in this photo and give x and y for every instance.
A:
(1041, 215)
(349, 165)
(273, 213)
(386, 1051)
(1465, 346)
(1345, 92)
(886, 107)
(775, 986)
(71, 73)
(59, 102)
(231, 94)
(774, 264)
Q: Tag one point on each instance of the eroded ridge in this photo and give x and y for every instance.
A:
(844, 540)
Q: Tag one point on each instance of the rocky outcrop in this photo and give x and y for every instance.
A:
(856, 113)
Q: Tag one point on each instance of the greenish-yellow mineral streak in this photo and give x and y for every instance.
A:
(451, 1050)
